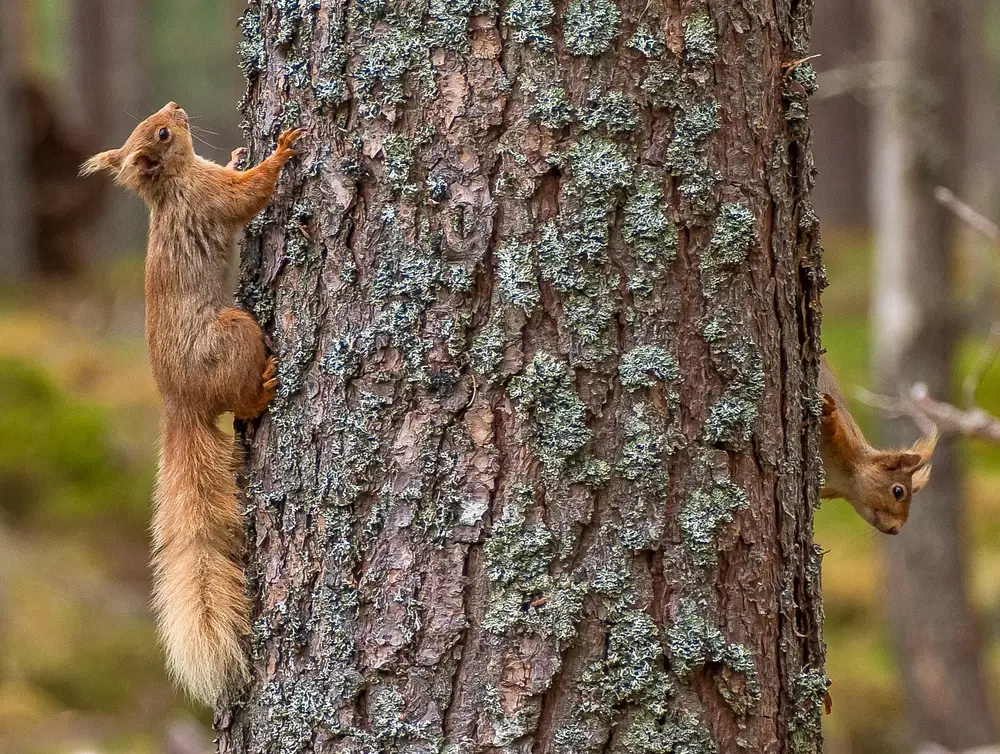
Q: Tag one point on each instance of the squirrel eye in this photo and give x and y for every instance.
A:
(898, 492)
(164, 134)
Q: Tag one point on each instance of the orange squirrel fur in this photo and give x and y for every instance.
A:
(207, 358)
(878, 483)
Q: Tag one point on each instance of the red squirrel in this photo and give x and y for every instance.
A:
(207, 358)
(878, 483)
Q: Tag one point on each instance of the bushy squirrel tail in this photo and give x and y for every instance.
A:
(198, 583)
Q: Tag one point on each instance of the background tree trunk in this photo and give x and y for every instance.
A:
(543, 283)
(16, 263)
(107, 97)
(918, 145)
(842, 124)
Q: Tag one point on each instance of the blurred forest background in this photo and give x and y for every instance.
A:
(79, 667)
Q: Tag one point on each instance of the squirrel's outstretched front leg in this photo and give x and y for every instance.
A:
(240, 194)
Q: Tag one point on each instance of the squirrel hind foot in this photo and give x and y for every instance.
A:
(268, 389)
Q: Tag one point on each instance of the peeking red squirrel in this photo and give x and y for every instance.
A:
(878, 483)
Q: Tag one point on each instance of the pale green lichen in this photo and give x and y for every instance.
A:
(487, 349)
(590, 26)
(647, 42)
(572, 250)
(646, 228)
(599, 168)
(692, 641)
(801, 83)
(686, 154)
(524, 596)
(557, 428)
(616, 112)
(448, 22)
(656, 732)
(704, 513)
(397, 151)
(699, 39)
(733, 237)
(643, 463)
(808, 693)
(398, 54)
(299, 249)
(341, 359)
(406, 282)
(644, 366)
(528, 19)
(632, 665)
(251, 50)
(730, 420)
(550, 105)
(516, 275)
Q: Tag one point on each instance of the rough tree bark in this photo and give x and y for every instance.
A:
(918, 145)
(544, 286)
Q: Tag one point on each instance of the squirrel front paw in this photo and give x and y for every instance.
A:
(829, 405)
(285, 141)
(236, 157)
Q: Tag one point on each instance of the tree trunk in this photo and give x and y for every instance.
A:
(841, 125)
(544, 287)
(107, 95)
(15, 209)
(919, 126)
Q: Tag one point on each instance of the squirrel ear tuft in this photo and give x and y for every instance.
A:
(109, 160)
(920, 478)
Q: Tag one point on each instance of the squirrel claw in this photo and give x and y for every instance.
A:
(829, 405)
(270, 381)
(268, 389)
(285, 141)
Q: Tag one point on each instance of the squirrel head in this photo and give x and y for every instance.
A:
(886, 482)
(157, 150)
(879, 484)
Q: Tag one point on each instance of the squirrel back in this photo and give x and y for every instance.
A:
(878, 483)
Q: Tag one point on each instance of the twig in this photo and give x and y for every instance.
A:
(858, 78)
(896, 408)
(967, 214)
(929, 414)
(791, 65)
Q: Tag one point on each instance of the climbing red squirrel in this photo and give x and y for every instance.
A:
(207, 358)
(878, 483)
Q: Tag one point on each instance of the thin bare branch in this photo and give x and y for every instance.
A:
(858, 78)
(978, 222)
(929, 414)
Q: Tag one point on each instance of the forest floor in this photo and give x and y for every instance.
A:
(79, 665)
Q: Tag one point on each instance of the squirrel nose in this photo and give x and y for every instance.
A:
(891, 530)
